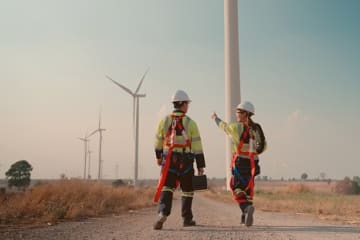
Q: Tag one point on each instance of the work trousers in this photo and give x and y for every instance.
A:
(166, 197)
(240, 185)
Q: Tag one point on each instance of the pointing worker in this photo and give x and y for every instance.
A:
(248, 141)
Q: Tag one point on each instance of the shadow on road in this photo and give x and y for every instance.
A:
(318, 229)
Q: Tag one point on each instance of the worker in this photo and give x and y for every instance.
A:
(248, 141)
(177, 145)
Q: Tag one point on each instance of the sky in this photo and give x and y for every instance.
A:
(299, 66)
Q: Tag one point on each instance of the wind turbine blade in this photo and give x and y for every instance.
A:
(142, 79)
(95, 131)
(122, 86)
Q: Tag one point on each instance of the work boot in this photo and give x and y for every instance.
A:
(249, 218)
(242, 218)
(189, 223)
(159, 223)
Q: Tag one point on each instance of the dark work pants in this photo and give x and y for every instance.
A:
(166, 197)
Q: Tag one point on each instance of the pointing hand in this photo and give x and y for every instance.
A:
(213, 115)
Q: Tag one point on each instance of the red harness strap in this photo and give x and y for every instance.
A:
(169, 142)
(252, 161)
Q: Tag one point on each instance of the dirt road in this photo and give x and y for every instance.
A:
(216, 220)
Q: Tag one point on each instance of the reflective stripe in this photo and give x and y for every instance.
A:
(167, 189)
(198, 152)
(246, 148)
(238, 191)
(180, 141)
(180, 150)
(187, 194)
(247, 156)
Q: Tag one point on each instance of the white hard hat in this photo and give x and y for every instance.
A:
(246, 106)
(180, 96)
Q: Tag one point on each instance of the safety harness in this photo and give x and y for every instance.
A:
(250, 185)
(176, 127)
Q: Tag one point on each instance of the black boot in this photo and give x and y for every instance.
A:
(159, 223)
(249, 218)
(189, 223)
(165, 204)
(186, 211)
(242, 208)
(242, 218)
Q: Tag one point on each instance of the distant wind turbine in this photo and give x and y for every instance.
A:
(89, 162)
(100, 130)
(85, 140)
(136, 97)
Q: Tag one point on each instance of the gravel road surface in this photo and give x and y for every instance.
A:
(215, 220)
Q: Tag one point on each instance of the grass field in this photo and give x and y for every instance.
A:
(70, 199)
(316, 198)
(59, 200)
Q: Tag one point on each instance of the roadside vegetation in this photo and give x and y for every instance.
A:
(54, 201)
(70, 199)
(321, 199)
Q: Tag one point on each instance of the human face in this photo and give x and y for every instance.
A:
(241, 115)
(185, 107)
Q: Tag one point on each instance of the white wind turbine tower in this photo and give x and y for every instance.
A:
(89, 162)
(100, 130)
(136, 97)
(232, 71)
(86, 147)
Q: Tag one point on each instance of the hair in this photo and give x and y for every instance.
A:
(178, 105)
(252, 124)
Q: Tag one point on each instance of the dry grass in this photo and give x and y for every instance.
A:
(302, 198)
(70, 199)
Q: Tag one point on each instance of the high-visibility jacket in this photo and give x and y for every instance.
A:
(192, 133)
(234, 131)
(244, 142)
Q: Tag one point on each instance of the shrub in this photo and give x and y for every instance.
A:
(118, 183)
(347, 186)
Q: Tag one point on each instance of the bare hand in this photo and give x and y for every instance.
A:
(159, 161)
(213, 115)
(200, 171)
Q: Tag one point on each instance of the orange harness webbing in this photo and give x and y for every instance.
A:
(252, 162)
(169, 142)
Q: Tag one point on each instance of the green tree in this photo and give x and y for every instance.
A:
(19, 174)
(304, 176)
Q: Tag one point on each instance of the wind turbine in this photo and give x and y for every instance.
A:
(136, 97)
(100, 130)
(85, 140)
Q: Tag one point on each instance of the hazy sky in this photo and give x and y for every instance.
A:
(299, 65)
